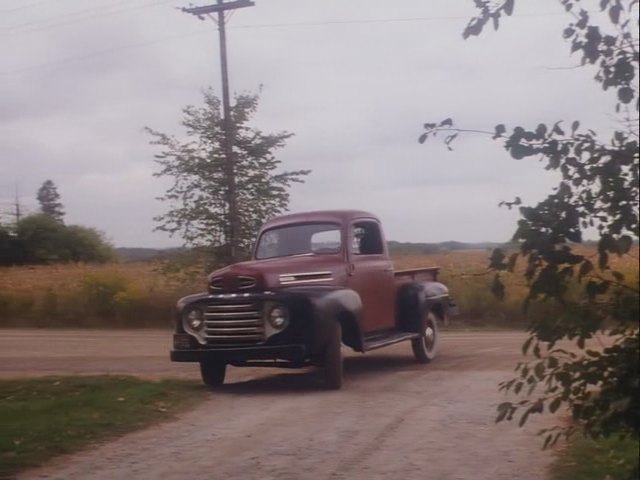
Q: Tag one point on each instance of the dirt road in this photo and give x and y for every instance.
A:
(393, 418)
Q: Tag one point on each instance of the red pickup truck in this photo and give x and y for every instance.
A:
(317, 280)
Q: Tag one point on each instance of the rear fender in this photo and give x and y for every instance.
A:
(414, 299)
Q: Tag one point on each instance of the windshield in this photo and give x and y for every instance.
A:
(301, 239)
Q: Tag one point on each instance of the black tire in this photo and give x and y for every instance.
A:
(212, 372)
(332, 361)
(425, 346)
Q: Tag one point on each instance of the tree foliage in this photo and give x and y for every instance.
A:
(597, 193)
(199, 206)
(49, 200)
(43, 238)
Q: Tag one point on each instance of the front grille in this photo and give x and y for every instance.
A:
(245, 282)
(234, 323)
(216, 283)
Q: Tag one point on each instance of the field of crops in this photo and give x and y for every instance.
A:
(144, 294)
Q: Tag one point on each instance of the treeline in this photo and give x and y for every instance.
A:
(43, 237)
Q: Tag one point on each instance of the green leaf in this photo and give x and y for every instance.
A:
(574, 126)
(614, 13)
(497, 287)
(557, 130)
(499, 131)
(449, 139)
(625, 94)
(523, 418)
(585, 268)
(526, 345)
(503, 409)
(423, 138)
(508, 6)
(625, 243)
(618, 276)
(555, 404)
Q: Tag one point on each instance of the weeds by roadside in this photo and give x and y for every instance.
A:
(144, 294)
(44, 417)
(586, 459)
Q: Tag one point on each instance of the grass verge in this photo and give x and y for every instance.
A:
(41, 418)
(587, 459)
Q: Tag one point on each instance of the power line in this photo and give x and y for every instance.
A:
(37, 27)
(380, 20)
(137, 45)
(101, 12)
(98, 53)
(66, 15)
(24, 7)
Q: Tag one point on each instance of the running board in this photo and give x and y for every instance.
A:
(380, 341)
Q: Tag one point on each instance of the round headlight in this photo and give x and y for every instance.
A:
(195, 319)
(278, 317)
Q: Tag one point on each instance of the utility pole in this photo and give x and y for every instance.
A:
(17, 212)
(200, 12)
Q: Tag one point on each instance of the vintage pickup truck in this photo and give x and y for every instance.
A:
(317, 280)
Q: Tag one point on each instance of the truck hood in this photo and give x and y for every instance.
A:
(275, 273)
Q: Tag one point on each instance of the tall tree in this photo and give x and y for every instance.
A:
(199, 195)
(598, 190)
(49, 200)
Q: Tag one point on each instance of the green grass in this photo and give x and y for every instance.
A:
(586, 459)
(44, 417)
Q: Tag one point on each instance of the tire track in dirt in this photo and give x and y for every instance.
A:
(394, 418)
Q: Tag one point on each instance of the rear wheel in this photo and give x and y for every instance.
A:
(332, 360)
(212, 372)
(426, 345)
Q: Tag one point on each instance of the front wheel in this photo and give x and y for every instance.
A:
(212, 372)
(333, 360)
(426, 345)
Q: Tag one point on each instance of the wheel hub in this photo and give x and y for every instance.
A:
(429, 337)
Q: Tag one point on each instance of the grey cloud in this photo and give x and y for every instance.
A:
(355, 95)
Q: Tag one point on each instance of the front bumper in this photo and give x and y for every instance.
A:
(241, 354)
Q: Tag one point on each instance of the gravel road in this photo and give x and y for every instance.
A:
(393, 418)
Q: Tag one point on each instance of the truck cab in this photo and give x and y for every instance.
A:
(317, 281)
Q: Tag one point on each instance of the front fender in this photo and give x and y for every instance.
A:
(331, 305)
(185, 302)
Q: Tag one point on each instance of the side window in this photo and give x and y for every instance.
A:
(366, 239)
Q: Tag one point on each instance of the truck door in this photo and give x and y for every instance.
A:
(371, 275)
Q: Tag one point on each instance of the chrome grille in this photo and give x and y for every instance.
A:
(245, 282)
(234, 323)
(216, 283)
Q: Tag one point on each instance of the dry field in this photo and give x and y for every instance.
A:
(143, 294)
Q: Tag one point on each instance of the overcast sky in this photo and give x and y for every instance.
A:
(353, 79)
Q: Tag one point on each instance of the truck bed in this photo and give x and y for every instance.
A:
(417, 274)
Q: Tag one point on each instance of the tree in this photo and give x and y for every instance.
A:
(49, 200)
(199, 196)
(87, 245)
(42, 239)
(598, 191)
(8, 246)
